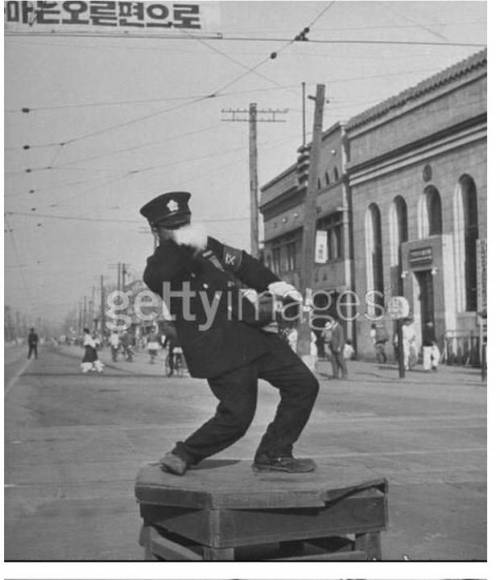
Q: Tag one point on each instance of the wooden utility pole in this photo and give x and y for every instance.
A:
(309, 227)
(102, 306)
(254, 183)
(251, 117)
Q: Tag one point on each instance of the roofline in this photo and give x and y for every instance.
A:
(463, 67)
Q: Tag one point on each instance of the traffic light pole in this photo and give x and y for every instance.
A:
(309, 228)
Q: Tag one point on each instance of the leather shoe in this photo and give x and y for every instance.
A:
(172, 463)
(287, 464)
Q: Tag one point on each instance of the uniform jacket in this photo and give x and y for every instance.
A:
(228, 342)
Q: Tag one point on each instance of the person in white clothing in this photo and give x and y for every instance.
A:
(409, 343)
(90, 361)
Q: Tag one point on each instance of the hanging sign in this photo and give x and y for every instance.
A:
(398, 307)
(321, 253)
(104, 17)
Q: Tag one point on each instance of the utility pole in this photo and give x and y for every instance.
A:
(254, 183)
(118, 276)
(251, 117)
(309, 228)
(303, 114)
(102, 306)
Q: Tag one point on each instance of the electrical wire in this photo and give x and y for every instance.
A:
(108, 220)
(272, 39)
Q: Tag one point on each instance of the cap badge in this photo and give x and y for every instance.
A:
(172, 206)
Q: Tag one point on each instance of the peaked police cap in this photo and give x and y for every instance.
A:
(170, 210)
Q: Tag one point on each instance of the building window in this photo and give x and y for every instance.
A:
(285, 252)
(276, 253)
(430, 214)
(374, 264)
(335, 174)
(291, 256)
(319, 183)
(466, 233)
(398, 228)
(334, 229)
(327, 178)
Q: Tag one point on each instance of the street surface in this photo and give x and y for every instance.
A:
(74, 443)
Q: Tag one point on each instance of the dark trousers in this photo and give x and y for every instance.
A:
(237, 395)
(338, 362)
(32, 349)
(380, 352)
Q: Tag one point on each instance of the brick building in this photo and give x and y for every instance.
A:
(281, 205)
(402, 199)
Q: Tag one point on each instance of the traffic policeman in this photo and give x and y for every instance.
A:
(210, 289)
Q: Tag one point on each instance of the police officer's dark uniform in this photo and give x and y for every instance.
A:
(231, 353)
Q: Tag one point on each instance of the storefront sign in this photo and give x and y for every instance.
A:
(119, 17)
(398, 307)
(481, 273)
(321, 253)
(420, 257)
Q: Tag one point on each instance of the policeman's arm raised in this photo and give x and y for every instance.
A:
(246, 268)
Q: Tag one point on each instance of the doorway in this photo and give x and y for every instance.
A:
(426, 296)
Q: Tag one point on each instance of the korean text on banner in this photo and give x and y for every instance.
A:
(95, 17)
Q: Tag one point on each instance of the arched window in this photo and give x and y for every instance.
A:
(398, 228)
(466, 232)
(336, 174)
(374, 264)
(327, 178)
(319, 183)
(430, 222)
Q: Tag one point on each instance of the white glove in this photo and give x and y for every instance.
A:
(285, 290)
(193, 235)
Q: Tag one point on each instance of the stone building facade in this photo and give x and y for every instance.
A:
(417, 173)
(403, 187)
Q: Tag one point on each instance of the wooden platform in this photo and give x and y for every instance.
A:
(222, 510)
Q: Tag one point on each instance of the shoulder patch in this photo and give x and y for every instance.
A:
(231, 258)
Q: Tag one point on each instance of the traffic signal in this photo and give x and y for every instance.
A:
(303, 163)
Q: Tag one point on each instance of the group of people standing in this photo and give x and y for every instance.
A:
(430, 350)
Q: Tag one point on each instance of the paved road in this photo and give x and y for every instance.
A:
(75, 442)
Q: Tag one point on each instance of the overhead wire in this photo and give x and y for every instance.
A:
(108, 220)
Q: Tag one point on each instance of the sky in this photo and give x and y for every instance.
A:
(114, 121)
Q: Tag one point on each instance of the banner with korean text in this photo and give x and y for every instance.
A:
(120, 18)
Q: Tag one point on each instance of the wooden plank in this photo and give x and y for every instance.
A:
(370, 543)
(354, 555)
(169, 550)
(218, 554)
(196, 525)
(145, 541)
(348, 515)
(232, 484)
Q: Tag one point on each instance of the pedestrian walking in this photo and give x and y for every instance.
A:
(32, 343)
(379, 336)
(126, 346)
(409, 344)
(292, 336)
(90, 361)
(430, 350)
(333, 335)
(231, 344)
(153, 346)
(114, 343)
(349, 351)
(173, 358)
